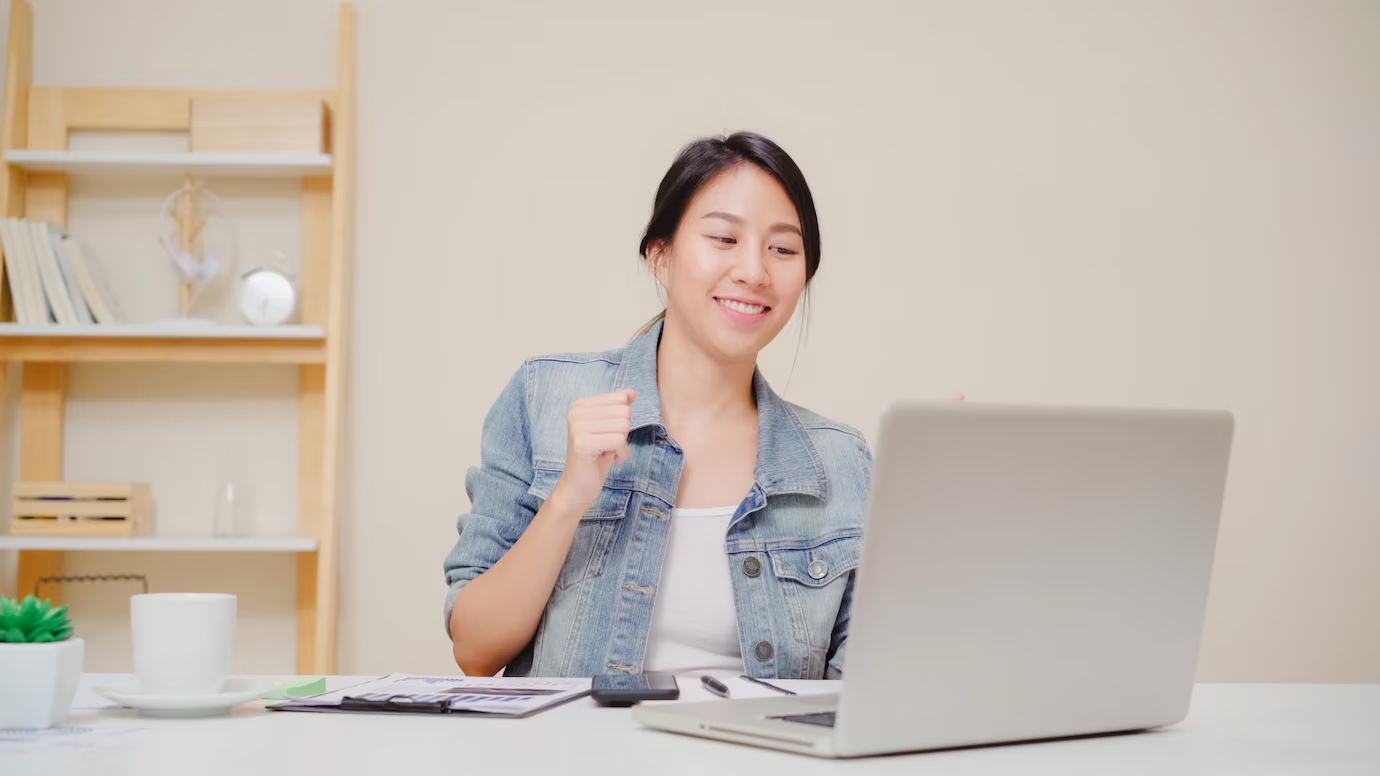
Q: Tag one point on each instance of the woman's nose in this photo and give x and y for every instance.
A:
(751, 269)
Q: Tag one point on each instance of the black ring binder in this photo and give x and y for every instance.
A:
(406, 704)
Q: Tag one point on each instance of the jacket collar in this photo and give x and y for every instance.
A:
(787, 461)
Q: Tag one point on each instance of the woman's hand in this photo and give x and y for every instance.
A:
(596, 438)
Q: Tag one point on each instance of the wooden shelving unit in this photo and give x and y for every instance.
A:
(34, 177)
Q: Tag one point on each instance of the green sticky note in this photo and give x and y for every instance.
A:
(301, 687)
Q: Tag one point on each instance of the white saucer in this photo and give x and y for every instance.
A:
(236, 691)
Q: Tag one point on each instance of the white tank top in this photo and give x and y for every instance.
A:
(695, 622)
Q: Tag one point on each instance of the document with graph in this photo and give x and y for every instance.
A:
(410, 693)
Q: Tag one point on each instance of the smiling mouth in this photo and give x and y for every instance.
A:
(742, 307)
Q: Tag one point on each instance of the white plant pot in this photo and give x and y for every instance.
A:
(39, 682)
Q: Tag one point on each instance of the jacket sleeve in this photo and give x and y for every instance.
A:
(838, 645)
(500, 506)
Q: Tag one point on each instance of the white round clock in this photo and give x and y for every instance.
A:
(267, 297)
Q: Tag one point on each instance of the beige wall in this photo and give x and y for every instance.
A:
(1131, 203)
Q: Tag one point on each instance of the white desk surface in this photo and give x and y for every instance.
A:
(1317, 730)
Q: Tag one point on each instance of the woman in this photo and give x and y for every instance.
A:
(660, 508)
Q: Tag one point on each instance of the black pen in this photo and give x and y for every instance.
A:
(714, 685)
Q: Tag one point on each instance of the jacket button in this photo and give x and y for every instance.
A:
(752, 566)
(764, 651)
(818, 569)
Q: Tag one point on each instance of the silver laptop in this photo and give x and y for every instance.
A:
(1026, 573)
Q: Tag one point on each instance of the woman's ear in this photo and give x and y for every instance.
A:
(658, 259)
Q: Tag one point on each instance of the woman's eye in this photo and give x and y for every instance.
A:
(784, 251)
(723, 240)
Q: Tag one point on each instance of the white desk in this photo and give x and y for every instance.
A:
(1316, 730)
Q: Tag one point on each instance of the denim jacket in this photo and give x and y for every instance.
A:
(792, 545)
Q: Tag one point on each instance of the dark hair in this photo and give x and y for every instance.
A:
(706, 157)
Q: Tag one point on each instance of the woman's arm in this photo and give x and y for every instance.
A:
(496, 613)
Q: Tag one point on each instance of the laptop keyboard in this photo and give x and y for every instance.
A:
(821, 718)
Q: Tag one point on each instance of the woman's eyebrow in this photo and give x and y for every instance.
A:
(729, 217)
(725, 216)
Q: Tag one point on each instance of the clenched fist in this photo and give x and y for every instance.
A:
(596, 438)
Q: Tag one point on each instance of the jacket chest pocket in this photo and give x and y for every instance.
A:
(594, 535)
(813, 581)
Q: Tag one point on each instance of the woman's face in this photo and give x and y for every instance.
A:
(736, 267)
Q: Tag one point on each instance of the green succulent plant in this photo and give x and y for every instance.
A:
(33, 621)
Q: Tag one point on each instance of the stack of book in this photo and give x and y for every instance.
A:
(52, 278)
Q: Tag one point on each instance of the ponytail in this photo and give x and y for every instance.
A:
(646, 327)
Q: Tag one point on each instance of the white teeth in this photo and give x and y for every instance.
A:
(750, 309)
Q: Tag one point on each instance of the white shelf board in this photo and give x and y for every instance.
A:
(159, 543)
(237, 165)
(164, 331)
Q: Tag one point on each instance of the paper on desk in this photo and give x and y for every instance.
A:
(739, 687)
(68, 738)
(497, 695)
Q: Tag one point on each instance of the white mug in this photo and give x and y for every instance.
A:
(183, 642)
